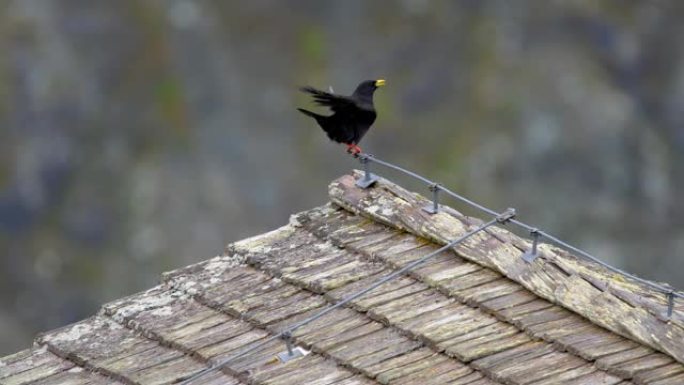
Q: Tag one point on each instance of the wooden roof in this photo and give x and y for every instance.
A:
(476, 315)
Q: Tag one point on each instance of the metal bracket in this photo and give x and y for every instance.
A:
(530, 255)
(434, 207)
(368, 178)
(506, 216)
(291, 353)
(670, 304)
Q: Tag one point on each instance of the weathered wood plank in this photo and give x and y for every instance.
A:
(402, 258)
(227, 347)
(409, 306)
(356, 380)
(366, 344)
(562, 377)
(545, 366)
(630, 368)
(263, 358)
(651, 375)
(454, 286)
(484, 341)
(76, 376)
(593, 342)
(486, 345)
(516, 312)
(596, 378)
(449, 376)
(482, 381)
(116, 351)
(274, 368)
(166, 372)
(544, 315)
(470, 379)
(399, 366)
(304, 371)
(217, 378)
(397, 288)
(454, 314)
(399, 349)
(448, 268)
(331, 277)
(495, 305)
(412, 372)
(396, 246)
(495, 362)
(556, 277)
(677, 379)
(437, 335)
(95, 338)
(298, 303)
(490, 290)
(611, 360)
(341, 334)
(25, 360)
(553, 330)
(376, 241)
(330, 319)
(45, 366)
(333, 319)
(528, 370)
(436, 370)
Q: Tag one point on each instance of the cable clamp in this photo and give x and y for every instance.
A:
(506, 216)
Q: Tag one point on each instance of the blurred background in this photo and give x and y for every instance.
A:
(141, 136)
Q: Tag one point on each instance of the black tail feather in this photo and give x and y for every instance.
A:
(309, 113)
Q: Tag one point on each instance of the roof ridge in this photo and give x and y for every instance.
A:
(604, 297)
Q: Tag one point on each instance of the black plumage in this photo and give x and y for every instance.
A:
(352, 115)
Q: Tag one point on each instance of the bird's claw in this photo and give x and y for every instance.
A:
(353, 149)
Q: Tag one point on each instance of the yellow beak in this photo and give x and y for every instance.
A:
(380, 82)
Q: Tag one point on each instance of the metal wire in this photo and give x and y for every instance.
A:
(504, 217)
(658, 287)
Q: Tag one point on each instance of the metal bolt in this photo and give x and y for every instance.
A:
(434, 207)
(368, 178)
(530, 255)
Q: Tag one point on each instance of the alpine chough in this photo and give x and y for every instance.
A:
(352, 115)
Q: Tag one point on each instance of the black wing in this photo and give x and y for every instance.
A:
(337, 103)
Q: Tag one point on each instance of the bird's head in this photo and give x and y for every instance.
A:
(368, 87)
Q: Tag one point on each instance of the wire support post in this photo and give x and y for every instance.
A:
(433, 208)
(292, 352)
(670, 295)
(368, 178)
(530, 255)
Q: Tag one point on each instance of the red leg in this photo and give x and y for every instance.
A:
(350, 147)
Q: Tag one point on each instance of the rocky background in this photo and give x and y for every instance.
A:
(137, 136)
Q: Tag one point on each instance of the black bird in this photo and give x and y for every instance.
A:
(352, 115)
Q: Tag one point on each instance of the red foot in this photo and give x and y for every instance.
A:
(353, 149)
